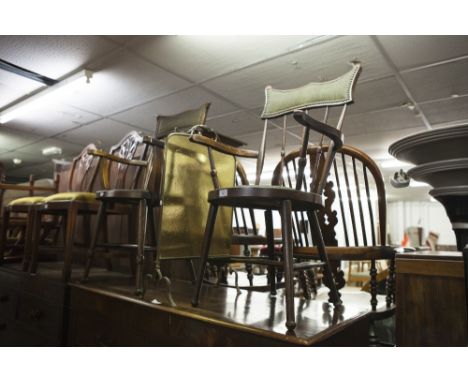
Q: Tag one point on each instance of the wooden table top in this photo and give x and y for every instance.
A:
(431, 255)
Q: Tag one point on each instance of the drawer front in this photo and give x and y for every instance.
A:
(39, 316)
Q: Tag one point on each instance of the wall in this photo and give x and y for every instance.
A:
(429, 215)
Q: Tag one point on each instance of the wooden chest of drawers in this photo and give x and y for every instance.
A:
(32, 310)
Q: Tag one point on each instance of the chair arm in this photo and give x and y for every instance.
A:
(222, 147)
(153, 141)
(17, 187)
(114, 158)
(379, 252)
(332, 133)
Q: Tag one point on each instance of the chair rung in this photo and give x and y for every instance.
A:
(308, 264)
(123, 246)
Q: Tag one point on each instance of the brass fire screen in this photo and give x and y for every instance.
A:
(185, 199)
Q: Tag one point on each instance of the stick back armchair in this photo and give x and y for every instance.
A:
(285, 200)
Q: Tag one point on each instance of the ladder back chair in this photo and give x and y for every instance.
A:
(281, 103)
(131, 177)
(79, 200)
(353, 221)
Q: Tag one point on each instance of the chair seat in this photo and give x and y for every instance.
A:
(125, 195)
(265, 197)
(27, 200)
(71, 196)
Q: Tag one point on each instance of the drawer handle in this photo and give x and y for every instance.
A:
(4, 298)
(35, 314)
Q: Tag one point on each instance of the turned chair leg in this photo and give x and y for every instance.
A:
(271, 250)
(152, 237)
(315, 227)
(210, 224)
(28, 239)
(35, 240)
(142, 223)
(101, 216)
(72, 214)
(3, 239)
(286, 230)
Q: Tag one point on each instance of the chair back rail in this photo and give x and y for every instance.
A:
(358, 214)
(83, 171)
(181, 122)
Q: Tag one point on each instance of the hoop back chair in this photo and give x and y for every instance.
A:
(131, 178)
(68, 205)
(353, 221)
(181, 122)
(281, 103)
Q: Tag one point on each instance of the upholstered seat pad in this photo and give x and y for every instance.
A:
(71, 196)
(126, 195)
(265, 197)
(27, 200)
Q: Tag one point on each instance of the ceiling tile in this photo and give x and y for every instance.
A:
(446, 111)
(210, 56)
(381, 121)
(439, 81)
(27, 160)
(53, 56)
(103, 133)
(13, 87)
(317, 63)
(51, 118)
(11, 139)
(124, 81)
(144, 116)
(376, 95)
(236, 124)
(69, 149)
(42, 170)
(411, 51)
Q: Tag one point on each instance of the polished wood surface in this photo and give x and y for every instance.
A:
(41, 310)
(430, 296)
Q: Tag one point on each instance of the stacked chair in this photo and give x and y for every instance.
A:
(285, 200)
(82, 175)
(131, 179)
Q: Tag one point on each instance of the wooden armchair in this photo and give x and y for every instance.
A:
(132, 179)
(280, 103)
(353, 221)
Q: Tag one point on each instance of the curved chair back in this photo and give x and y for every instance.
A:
(355, 205)
(121, 175)
(181, 122)
(83, 171)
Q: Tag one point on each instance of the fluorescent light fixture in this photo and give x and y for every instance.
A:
(17, 161)
(51, 92)
(394, 163)
(415, 183)
(53, 150)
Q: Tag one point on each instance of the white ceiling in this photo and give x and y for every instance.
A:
(138, 77)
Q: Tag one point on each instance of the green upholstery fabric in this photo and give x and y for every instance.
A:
(314, 94)
(71, 196)
(27, 200)
(181, 122)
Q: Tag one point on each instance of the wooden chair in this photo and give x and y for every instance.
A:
(132, 178)
(79, 200)
(353, 221)
(280, 103)
(17, 215)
